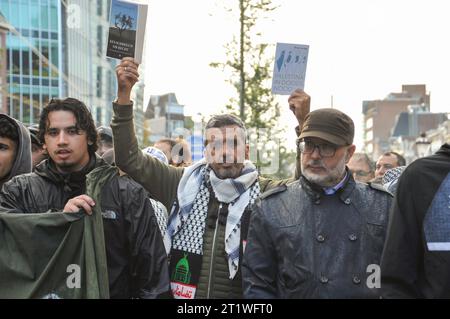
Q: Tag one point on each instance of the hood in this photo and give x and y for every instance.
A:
(445, 149)
(22, 163)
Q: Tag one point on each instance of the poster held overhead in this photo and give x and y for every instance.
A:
(127, 21)
(289, 68)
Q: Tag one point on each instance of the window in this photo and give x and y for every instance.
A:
(98, 115)
(99, 7)
(35, 64)
(16, 106)
(44, 15)
(34, 12)
(369, 123)
(54, 16)
(45, 99)
(99, 81)
(109, 88)
(26, 104)
(15, 62)
(99, 40)
(45, 52)
(36, 108)
(54, 57)
(25, 62)
(25, 22)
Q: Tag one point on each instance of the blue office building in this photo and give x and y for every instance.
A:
(57, 48)
(34, 56)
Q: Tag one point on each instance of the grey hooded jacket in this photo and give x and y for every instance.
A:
(22, 163)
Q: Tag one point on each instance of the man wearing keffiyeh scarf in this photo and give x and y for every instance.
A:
(209, 203)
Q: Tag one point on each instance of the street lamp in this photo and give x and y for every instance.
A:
(422, 145)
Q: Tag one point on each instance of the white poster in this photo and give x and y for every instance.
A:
(290, 68)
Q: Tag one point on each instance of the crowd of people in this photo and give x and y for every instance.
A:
(149, 223)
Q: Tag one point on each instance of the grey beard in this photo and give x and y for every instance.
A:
(333, 178)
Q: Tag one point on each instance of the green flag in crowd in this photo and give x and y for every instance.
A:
(56, 255)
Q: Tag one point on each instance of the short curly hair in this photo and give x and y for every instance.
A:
(8, 130)
(82, 115)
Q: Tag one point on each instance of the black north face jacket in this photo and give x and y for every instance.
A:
(136, 258)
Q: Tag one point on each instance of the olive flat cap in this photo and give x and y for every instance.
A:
(330, 125)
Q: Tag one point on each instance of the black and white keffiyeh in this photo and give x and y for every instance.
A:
(391, 177)
(161, 217)
(188, 216)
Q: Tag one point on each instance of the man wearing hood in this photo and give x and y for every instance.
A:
(15, 149)
(135, 255)
(416, 257)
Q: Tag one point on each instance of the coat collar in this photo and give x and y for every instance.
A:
(315, 192)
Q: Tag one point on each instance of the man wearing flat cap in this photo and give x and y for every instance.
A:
(321, 236)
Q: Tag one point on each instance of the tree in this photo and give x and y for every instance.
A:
(251, 72)
(123, 22)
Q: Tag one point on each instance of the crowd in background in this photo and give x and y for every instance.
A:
(151, 223)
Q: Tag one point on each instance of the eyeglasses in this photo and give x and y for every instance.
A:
(361, 173)
(325, 150)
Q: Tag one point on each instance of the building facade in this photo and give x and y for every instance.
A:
(380, 116)
(165, 116)
(4, 28)
(90, 74)
(439, 136)
(57, 49)
(34, 56)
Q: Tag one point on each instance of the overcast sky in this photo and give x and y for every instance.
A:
(359, 50)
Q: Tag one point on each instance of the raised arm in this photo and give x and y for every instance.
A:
(300, 104)
(160, 180)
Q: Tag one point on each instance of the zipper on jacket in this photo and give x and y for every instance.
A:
(212, 254)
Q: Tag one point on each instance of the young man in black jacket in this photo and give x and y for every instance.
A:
(416, 257)
(136, 258)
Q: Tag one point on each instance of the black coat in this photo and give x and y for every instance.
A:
(416, 258)
(303, 244)
(136, 258)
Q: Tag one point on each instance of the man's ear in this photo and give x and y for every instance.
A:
(350, 152)
(247, 151)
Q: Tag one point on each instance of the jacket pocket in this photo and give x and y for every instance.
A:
(376, 235)
(295, 257)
